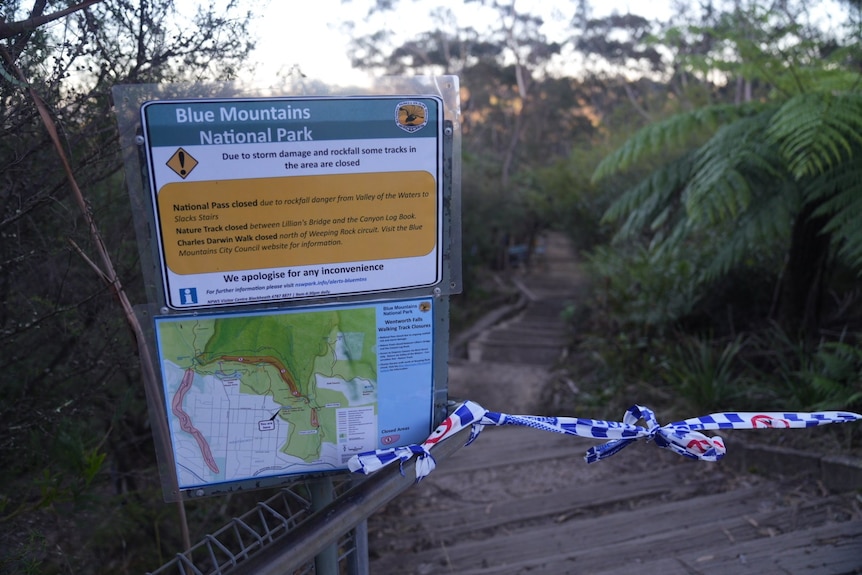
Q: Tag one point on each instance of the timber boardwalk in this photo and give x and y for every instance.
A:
(519, 500)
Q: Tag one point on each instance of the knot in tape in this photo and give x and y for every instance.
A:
(371, 461)
(679, 437)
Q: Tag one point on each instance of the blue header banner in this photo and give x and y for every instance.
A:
(273, 120)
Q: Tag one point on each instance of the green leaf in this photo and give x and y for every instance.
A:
(817, 131)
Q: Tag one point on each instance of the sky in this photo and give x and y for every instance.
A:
(306, 34)
(309, 34)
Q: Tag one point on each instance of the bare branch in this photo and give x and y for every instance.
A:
(10, 29)
(634, 102)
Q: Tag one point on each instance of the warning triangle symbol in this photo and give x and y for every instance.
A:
(182, 163)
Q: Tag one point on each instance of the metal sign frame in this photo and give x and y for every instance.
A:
(268, 200)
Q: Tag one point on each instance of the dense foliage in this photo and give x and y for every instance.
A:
(80, 490)
(739, 247)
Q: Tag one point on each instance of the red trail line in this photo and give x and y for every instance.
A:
(186, 421)
(273, 361)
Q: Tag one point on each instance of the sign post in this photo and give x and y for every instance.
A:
(301, 259)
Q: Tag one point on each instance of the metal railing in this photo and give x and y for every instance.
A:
(287, 533)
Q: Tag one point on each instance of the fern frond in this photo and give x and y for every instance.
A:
(836, 189)
(850, 251)
(832, 73)
(664, 245)
(843, 208)
(846, 222)
(818, 130)
(825, 79)
(730, 168)
(764, 226)
(657, 138)
(642, 204)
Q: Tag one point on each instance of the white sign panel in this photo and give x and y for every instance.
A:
(278, 199)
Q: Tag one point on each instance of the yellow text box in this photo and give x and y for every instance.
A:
(227, 225)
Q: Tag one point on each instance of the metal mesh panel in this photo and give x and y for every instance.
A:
(287, 518)
(223, 550)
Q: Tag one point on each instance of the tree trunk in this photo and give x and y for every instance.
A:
(801, 294)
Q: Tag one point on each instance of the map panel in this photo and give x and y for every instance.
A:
(294, 391)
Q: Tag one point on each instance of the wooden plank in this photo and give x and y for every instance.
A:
(725, 543)
(470, 516)
(834, 549)
(690, 548)
(595, 532)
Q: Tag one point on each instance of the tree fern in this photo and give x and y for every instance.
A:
(784, 174)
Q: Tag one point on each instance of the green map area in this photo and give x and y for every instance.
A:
(253, 395)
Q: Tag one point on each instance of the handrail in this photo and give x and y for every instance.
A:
(297, 535)
(325, 527)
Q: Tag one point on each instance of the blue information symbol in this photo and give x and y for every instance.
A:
(188, 296)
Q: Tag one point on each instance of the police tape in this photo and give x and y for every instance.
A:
(682, 437)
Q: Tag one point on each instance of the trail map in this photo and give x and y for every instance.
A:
(256, 395)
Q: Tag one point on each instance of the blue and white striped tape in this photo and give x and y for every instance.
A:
(682, 437)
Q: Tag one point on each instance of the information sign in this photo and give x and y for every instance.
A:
(276, 199)
(264, 394)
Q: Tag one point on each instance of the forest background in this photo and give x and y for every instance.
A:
(707, 167)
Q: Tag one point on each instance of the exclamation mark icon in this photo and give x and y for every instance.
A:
(182, 163)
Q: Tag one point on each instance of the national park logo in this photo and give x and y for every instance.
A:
(411, 116)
